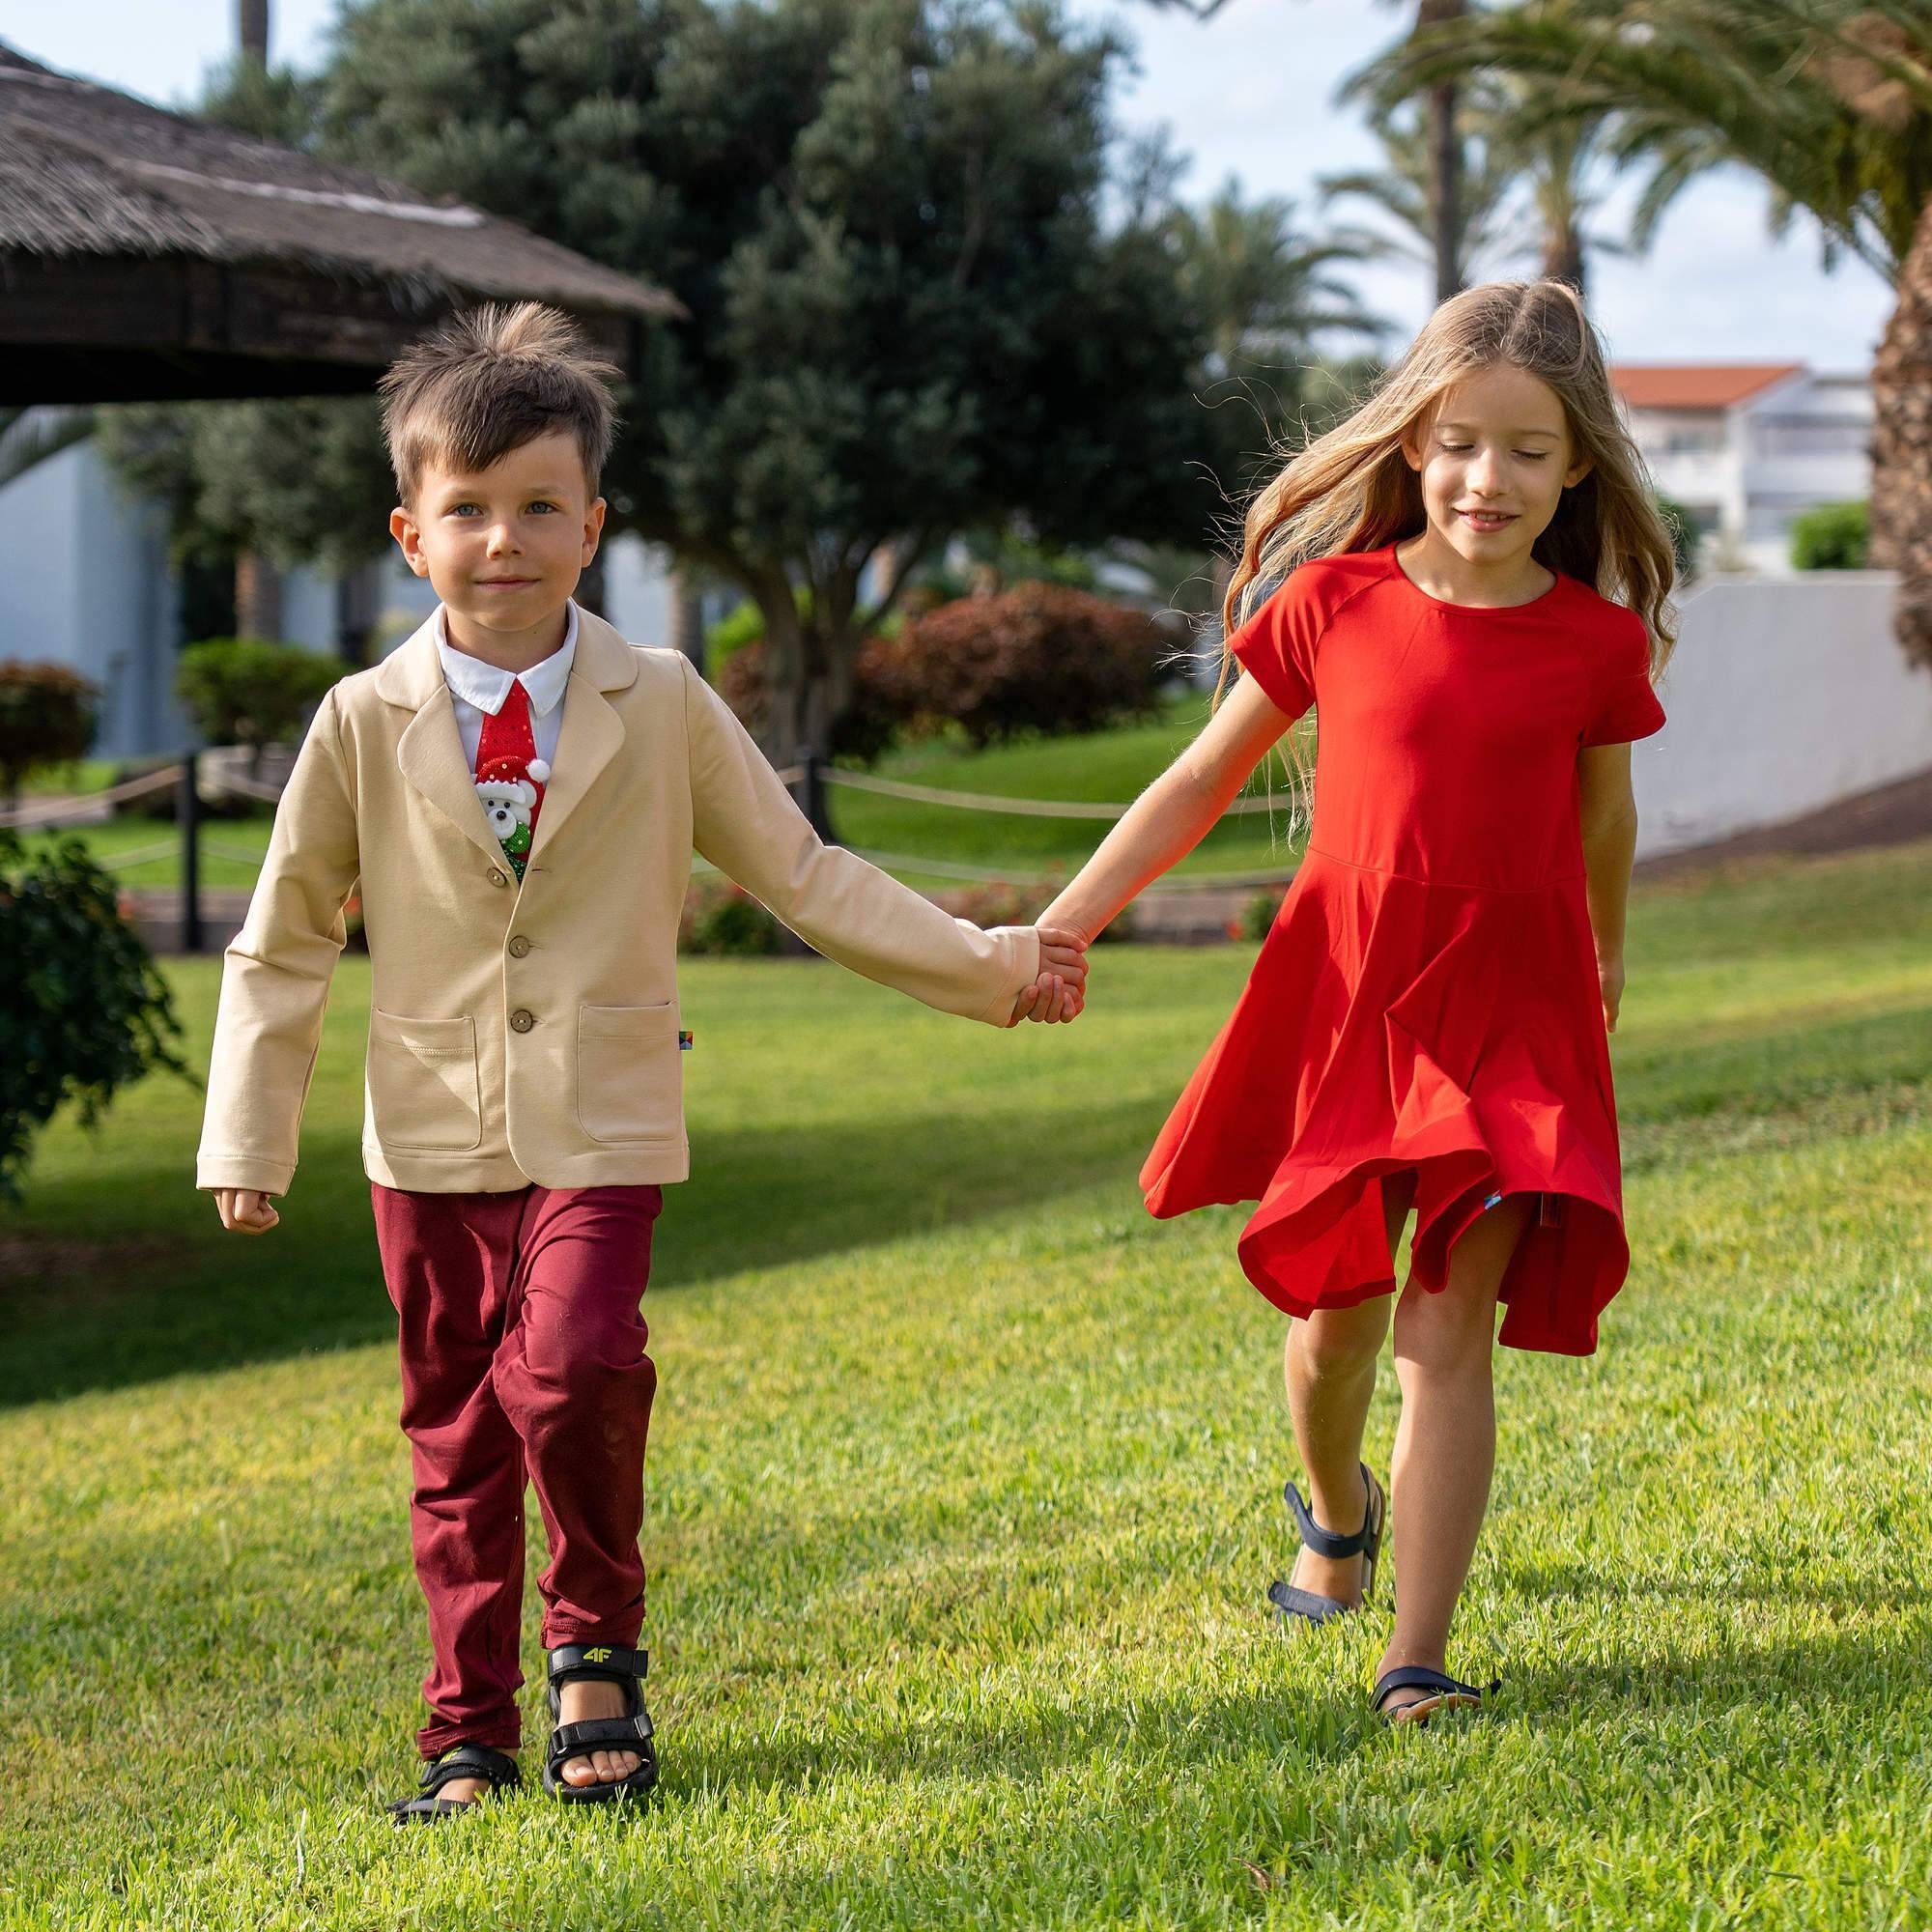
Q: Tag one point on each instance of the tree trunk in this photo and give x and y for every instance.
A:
(1901, 484)
(1563, 258)
(251, 22)
(687, 614)
(809, 680)
(258, 598)
(1445, 149)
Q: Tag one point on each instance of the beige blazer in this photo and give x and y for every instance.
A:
(530, 1032)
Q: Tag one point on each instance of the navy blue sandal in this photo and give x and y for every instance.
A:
(568, 1663)
(1295, 1605)
(1446, 1694)
(496, 1768)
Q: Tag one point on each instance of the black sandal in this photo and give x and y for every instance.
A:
(1448, 1693)
(1293, 1604)
(496, 1768)
(569, 1663)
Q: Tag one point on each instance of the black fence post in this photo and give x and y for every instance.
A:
(188, 811)
(813, 800)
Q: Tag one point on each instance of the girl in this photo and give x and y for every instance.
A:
(1467, 579)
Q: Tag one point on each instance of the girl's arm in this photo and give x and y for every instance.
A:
(1173, 814)
(1608, 817)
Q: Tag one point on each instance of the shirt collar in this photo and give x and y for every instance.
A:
(486, 687)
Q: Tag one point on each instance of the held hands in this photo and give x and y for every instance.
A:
(244, 1211)
(1060, 994)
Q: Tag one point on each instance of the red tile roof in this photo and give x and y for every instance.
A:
(1694, 385)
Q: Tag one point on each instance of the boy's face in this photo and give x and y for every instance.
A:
(504, 546)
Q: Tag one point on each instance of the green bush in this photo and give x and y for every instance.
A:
(243, 691)
(1257, 916)
(1835, 536)
(723, 919)
(1039, 658)
(1683, 535)
(87, 1011)
(47, 717)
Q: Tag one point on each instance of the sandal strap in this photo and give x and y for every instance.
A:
(593, 1734)
(610, 1661)
(497, 1768)
(1419, 1677)
(1310, 1605)
(1327, 1542)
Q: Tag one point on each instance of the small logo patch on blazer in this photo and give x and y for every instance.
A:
(684, 1043)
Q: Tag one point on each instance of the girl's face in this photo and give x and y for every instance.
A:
(1493, 459)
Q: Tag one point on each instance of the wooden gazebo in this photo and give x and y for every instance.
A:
(145, 256)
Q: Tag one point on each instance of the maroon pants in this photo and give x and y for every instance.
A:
(523, 1358)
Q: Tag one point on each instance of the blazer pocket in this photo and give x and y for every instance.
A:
(630, 1080)
(423, 1084)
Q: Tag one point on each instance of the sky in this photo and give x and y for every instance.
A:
(1249, 94)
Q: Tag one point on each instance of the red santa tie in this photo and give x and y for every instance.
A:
(510, 776)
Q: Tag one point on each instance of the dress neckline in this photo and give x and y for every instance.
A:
(1536, 603)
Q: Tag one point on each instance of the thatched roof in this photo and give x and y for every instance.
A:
(143, 253)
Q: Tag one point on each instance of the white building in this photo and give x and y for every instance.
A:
(1746, 447)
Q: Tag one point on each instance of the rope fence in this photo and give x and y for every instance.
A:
(986, 801)
(792, 776)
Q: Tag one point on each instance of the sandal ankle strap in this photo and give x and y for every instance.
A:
(597, 1660)
(1327, 1542)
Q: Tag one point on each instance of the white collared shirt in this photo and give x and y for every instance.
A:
(477, 689)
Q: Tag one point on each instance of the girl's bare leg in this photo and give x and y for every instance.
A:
(1445, 1447)
(1329, 1367)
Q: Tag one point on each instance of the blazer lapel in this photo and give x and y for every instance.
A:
(429, 751)
(592, 733)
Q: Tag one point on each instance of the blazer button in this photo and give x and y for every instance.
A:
(518, 946)
(499, 878)
(522, 1020)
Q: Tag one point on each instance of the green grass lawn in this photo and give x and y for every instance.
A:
(964, 1488)
(1107, 767)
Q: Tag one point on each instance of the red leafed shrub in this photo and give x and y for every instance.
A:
(47, 714)
(1040, 657)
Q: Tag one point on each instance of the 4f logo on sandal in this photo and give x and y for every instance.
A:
(601, 1655)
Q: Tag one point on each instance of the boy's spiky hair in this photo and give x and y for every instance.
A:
(489, 380)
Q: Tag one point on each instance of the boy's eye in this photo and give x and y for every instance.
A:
(540, 505)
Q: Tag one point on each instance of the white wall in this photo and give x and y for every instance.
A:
(1785, 695)
(636, 589)
(88, 585)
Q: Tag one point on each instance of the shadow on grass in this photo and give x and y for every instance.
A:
(108, 1287)
(1586, 1585)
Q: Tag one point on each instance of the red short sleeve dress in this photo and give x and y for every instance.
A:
(1427, 998)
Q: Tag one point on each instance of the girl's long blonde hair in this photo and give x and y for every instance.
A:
(1352, 489)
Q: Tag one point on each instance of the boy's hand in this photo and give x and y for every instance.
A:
(1060, 994)
(244, 1211)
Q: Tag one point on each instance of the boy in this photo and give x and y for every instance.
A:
(519, 791)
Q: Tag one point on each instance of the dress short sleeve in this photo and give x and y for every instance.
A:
(1626, 706)
(1276, 646)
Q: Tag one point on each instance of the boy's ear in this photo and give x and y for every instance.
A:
(403, 527)
(593, 527)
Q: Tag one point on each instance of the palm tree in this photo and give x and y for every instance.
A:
(1828, 100)
(1264, 288)
(1402, 190)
